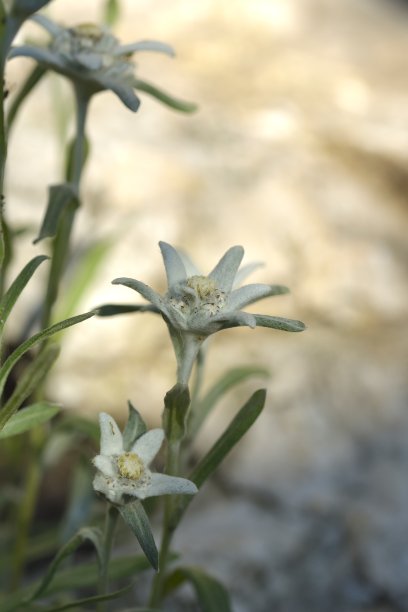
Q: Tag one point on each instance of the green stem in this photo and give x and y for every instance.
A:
(26, 508)
(3, 140)
(109, 531)
(172, 468)
(62, 240)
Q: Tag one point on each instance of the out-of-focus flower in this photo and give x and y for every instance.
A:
(197, 306)
(94, 60)
(122, 472)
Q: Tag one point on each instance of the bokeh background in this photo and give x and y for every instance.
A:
(299, 152)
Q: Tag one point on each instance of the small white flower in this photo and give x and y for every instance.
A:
(122, 472)
(92, 58)
(197, 306)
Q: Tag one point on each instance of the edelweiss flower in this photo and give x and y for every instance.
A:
(91, 57)
(122, 472)
(197, 306)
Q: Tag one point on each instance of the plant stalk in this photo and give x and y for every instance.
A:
(172, 468)
(62, 240)
(109, 531)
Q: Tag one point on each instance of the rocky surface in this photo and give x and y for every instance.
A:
(299, 152)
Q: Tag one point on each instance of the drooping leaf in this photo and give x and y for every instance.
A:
(164, 97)
(33, 78)
(29, 417)
(33, 341)
(29, 381)
(91, 534)
(211, 594)
(136, 518)
(110, 310)
(203, 407)
(17, 286)
(60, 198)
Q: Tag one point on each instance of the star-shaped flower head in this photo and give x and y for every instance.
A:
(94, 60)
(123, 471)
(197, 306)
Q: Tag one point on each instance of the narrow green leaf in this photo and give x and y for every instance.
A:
(135, 427)
(86, 575)
(92, 534)
(60, 197)
(17, 286)
(165, 98)
(290, 325)
(33, 78)
(79, 576)
(29, 417)
(234, 432)
(202, 408)
(110, 310)
(136, 518)
(211, 594)
(239, 425)
(81, 277)
(111, 12)
(89, 600)
(29, 381)
(33, 341)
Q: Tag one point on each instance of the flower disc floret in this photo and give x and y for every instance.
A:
(130, 466)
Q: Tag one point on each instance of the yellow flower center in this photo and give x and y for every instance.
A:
(88, 30)
(202, 285)
(130, 466)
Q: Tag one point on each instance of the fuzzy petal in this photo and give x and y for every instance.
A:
(104, 465)
(191, 268)
(145, 45)
(41, 55)
(245, 271)
(147, 292)
(291, 325)
(235, 319)
(111, 438)
(148, 445)
(52, 28)
(226, 269)
(108, 487)
(161, 484)
(252, 293)
(173, 263)
(124, 92)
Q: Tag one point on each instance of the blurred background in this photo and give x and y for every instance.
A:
(299, 152)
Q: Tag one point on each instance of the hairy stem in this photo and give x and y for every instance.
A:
(172, 468)
(109, 531)
(62, 240)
